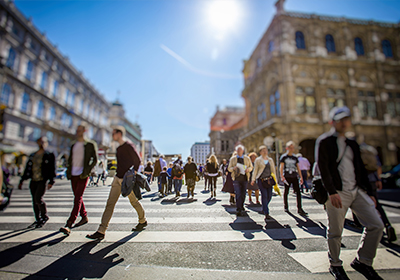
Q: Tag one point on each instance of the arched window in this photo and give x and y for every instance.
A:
(55, 88)
(300, 44)
(11, 58)
(25, 103)
(272, 104)
(40, 110)
(52, 114)
(5, 94)
(29, 70)
(44, 80)
(387, 48)
(359, 46)
(330, 43)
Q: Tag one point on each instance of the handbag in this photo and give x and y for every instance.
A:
(268, 181)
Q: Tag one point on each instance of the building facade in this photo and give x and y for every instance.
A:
(149, 152)
(305, 64)
(226, 127)
(43, 94)
(200, 151)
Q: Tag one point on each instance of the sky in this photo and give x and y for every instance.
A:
(173, 61)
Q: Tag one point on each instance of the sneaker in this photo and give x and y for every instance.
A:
(140, 226)
(42, 222)
(302, 212)
(83, 221)
(96, 236)
(268, 217)
(391, 234)
(338, 272)
(366, 270)
(34, 224)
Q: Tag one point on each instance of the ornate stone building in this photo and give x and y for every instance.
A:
(43, 93)
(305, 64)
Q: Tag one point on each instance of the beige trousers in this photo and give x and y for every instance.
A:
(363, 206)
(113, 197)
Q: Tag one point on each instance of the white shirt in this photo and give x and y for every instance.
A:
(78, 153)
(141, 168)
(346, 166)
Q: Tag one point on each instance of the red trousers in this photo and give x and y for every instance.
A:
(78, 187)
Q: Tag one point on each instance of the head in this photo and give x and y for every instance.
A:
(118, 133)
(253, 156)
(224, 161)
(340, 119)
(239, 150)
(164, 168)
(149, 163)
(263, 150)
(162, 156)
(213, 159)
(171, 164)
(42, 142)
(80, 130)
(290, 147)
(189, 159)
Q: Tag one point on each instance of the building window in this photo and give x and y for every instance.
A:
(52, 115)
(49, 136)
(300, 43)
(330, 43)
(336, 97)
(21, 131)
(366, 104)
(271, 46)
(37, 132)
(72, 99)
(272, 104)
(259, 63)
(393, 104)
(305, 100)
(275, 103)
(387, 48)
(261, 112)
(29, 70)
(67, 96)
(81, 106)
(278, 102)
(359, 46)
(11, 58)
(224, 122)
(5, 94)
(44, 80)
(25, 103)
(40, 110)
(55, 89)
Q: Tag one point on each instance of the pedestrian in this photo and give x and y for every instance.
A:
(223, 169)
(179, 160)
(228, 186)
(253, 187)
(212, 174)
(346, 180)
(240, 167)
(201, 169)
(177, 175)
(169, 171)
(82, 159)
(148, 171)
(207, 181)
(100, 170)
(304, 165)
(264, 174)
(158, 167)
(290, 173)
(41, 169)
(190, 170)
(127, 157)
(164, 181)
(141, 168)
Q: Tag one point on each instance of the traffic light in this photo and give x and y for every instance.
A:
(2, 109)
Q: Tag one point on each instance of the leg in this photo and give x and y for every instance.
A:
(159, 183)
(41, 189)
(249, 192)
(239, 203)
(137, 205)
(296, 188)
(78, 187)
(285, 196)
(264, 197)
(243, 186)
(257, 193)
(115, 192)
(33, 187)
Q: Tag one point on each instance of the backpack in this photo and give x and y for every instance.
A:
(369, 158)
(177, 170)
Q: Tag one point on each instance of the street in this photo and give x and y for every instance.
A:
(184, 239)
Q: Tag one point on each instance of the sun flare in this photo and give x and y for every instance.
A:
(223, 14)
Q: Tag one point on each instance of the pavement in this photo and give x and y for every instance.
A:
(184, 239)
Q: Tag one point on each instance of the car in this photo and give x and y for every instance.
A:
(61, 173)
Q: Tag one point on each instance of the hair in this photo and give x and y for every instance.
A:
(171, 163)
(288, 144)
(213, 159)
(239, 146)
(120, 129)
(261, 148)
(149, 163)
(252, 154)
(164, 168)
(42, 138)
(161, 156)
(189, 159)
(84, 125)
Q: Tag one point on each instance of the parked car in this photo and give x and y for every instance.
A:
(61, 173)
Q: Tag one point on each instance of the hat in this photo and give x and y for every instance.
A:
(338, 113)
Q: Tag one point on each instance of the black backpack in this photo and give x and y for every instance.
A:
(177, 170)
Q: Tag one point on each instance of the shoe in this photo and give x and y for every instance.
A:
(338, 272)
(42, 222)
(366, 270)
(258, 203)
(391, 234)
(140, 226)
(66, 230)
(232, 200)
(268, 217)
(83, 221)
(287, 210)
(302, 212)
(34, 224)
(239, 213)
(215, 194)
(96, 236)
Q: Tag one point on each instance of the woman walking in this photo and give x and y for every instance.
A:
(190, 171)
(148, 171)
(228, 186)
(253, 187)
(264, 173)
(212, 169)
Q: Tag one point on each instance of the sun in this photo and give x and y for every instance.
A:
(223, 15)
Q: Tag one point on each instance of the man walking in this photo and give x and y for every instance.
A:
(304, 165)
(290, 173)
(240, 166)
(224, 170)
(82, 159)
(127, 156)
(40, 168)
(346, 180)
(158, 167)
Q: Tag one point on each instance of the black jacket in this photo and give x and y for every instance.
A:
(328, 152)
(48, 168)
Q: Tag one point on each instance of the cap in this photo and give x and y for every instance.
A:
(338, 113)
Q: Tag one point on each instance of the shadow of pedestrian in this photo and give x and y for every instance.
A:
(169, 200)
(185, 201)
(309, 225)
(284, 233)
(84, 264)
(246, 225)
(14, 233)
(14, 254)
(211, 201)
(254, 207)
(155, 194)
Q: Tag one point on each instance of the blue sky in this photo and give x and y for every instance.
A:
(170, 61)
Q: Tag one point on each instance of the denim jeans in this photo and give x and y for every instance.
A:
(177, 184)
(240, 191)
(159, 183)
(305, 177)
(266, 195)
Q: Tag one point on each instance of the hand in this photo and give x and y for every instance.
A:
(378, 185)
(301, 181)
(283, 179)
(20, 186)
(49, 186)
(336, 200)
(373, 199)
(247, 170)
(252, 183)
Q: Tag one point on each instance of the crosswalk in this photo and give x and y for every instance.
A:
(177, 220)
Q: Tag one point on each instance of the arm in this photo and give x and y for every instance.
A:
(281, 171)
(250, 168)
(231, 166)
(255, 172)
(53, 171)
(93, 155)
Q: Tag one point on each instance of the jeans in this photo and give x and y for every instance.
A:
(213, 181)
(177, 185)
(295, 182)
(159, 183)
(169, 184)
(240, 191)
(148, 178)
(38, 188)
(78, 187)
(266, 196)
(305, 177)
